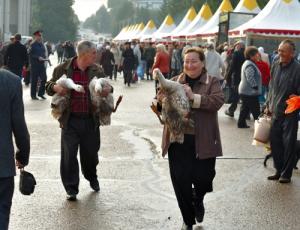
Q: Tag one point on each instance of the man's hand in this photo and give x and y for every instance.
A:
(62, 91)
(105, 91)
(189, 92)
(19, 165)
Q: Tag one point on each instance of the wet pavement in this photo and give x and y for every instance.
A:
(136, 190)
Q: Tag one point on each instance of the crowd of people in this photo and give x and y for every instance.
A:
(261, 82)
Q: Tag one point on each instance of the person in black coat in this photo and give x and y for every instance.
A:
(12, 122)
(234, 75)
(108, 61)
(16, 56)
(128, 63)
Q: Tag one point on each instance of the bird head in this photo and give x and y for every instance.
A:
(156, 73)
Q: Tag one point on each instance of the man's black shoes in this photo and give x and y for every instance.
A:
(95, 185)
(71, 197)
(186, 227)
(34, 98)
(284, 180)
(274, 177)
(43, 97)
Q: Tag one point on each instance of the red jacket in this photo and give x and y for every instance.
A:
(265, 72)
(162, 61)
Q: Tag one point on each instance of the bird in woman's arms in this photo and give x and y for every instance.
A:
(175, 106)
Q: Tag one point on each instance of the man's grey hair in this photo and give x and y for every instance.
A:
(84, 47)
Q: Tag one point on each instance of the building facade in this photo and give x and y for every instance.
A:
(14, 18)
(149, 4)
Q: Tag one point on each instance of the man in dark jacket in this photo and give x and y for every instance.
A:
(149, 56)
(16, 56)
(80, 120)
(12, 122)
(37, 55)
(285, 82)
(128, 63)
(233, 75)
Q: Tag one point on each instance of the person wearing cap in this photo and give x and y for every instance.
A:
(80, 121)
(107, 61)
(37, 57)
(16, 56)
(12, 123)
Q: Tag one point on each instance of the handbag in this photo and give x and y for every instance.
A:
(262, 128)
(27, 182)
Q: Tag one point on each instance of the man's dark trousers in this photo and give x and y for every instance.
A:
(6, 194)
(38, 72)
(83, 133)
(283, 138)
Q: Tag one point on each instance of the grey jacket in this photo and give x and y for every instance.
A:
(251, 82)
(12, 122)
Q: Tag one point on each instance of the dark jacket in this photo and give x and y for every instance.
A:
(149, 54)
(12, 122)
(107, 61)
(285, 81)
(16, 57)
(128, 59)
(36, 50)
(67, 69)
(235, 67)
(207, 134)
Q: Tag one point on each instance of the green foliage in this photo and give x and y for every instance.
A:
(56, 18)
(99, 22)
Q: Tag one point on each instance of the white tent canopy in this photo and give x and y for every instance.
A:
(165, 28)
(278, 18)
(212, 26)
(149, 29)
(185, 22)
(137, 31)
(124, 30)
(247, 6)
(200, 20)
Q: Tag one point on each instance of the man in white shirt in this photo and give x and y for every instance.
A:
(213, 62)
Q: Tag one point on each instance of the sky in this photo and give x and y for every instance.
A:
(85, 8)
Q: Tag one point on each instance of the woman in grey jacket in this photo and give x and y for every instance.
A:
(249, 87)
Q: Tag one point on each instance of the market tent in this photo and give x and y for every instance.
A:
(149, 29)
(211, 28)
(137, 31)
(185, 22)
(247, 6)
(200, 20)
(165, 28)
(279, 18)
(123, 30)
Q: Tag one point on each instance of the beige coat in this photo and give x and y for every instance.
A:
(207, 134)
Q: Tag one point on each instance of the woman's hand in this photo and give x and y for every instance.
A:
(189, 92)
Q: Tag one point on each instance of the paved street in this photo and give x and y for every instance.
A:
(136, 190)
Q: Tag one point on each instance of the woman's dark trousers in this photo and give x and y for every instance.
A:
(249, 104)
(186, 170)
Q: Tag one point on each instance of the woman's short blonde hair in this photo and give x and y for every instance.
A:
(161, 47)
